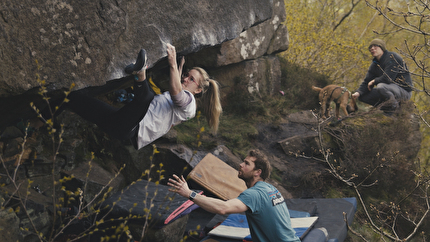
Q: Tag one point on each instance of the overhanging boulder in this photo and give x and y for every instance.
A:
(89, 43)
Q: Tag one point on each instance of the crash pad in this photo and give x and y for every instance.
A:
(330, 225)
(235, 226)
(330, 213)
(218, 177)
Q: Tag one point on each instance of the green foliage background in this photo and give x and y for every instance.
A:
(331, 37)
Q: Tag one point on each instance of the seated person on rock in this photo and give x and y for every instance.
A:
(148, 116)
(265, 208)
(387, 81)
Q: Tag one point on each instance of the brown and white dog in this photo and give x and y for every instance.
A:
(337, 94)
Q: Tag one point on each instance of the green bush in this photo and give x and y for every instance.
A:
(372, 147)
(297, 82)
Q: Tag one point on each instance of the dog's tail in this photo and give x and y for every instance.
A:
(316, 88)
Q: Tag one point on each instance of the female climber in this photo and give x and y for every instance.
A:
(148, 116)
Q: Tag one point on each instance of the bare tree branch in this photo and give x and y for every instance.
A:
(354, 4)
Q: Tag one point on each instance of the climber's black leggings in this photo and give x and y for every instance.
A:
(121, 123)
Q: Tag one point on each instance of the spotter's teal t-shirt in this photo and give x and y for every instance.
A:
(268, 216)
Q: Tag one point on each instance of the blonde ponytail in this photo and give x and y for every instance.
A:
(210, 100)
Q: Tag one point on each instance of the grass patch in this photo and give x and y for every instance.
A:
(275, 175)
(238, 133)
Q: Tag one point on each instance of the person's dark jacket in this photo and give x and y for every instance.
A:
(390, 68)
